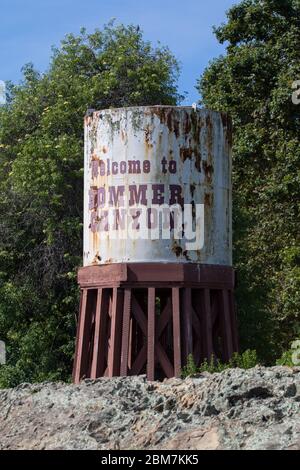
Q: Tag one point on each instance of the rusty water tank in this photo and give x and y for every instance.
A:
(157, 156)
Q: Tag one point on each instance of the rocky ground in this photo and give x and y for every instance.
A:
(253, 409)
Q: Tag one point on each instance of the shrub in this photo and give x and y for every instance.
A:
(291, 357)
(246, 360)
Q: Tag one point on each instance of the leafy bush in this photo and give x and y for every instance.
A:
(246, 360)
(190, 368)
(291, 357)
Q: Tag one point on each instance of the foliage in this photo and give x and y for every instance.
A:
(286, 359)
(190, 368)
(41, 179)
(253, 83)
(247, 360)
(291, 357)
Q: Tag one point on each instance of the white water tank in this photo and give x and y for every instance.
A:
(152, 157)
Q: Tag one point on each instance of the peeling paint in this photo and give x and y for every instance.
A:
(157, 150)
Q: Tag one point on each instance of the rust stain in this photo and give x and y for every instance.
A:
(185, 254)
(160, 140)
(177, 249)
(209, 126)
(187, 124)
(95, 241)
(97, 258)
(168, 116)
(192, 189)
(87, 120)
(198, 160)
(208, 171)
(176, 128)
(193, 210)
(227, 124)
(148, 142)
(208, 199)
(191, 127)
(196, 126)
(186, 153)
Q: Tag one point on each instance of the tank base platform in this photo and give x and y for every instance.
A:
(147, 318)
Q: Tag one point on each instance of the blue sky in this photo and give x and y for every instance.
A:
(28, 29)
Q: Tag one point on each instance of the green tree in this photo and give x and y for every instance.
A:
(253, 82)
(41, 179)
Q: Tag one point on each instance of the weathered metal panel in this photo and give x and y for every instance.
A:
(165, 155)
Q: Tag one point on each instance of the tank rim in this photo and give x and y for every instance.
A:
(156, 106)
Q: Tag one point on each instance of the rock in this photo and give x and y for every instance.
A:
(199, 439)
(290, 391)
(236, 409)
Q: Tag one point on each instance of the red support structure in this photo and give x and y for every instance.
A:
(97, 357)
(126, 330)
(80, 353)
(147, 318)
(176, 331)
(151, 335)
(187, 324)
(207, 325)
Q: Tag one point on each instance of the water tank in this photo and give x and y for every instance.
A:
(139, 162)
